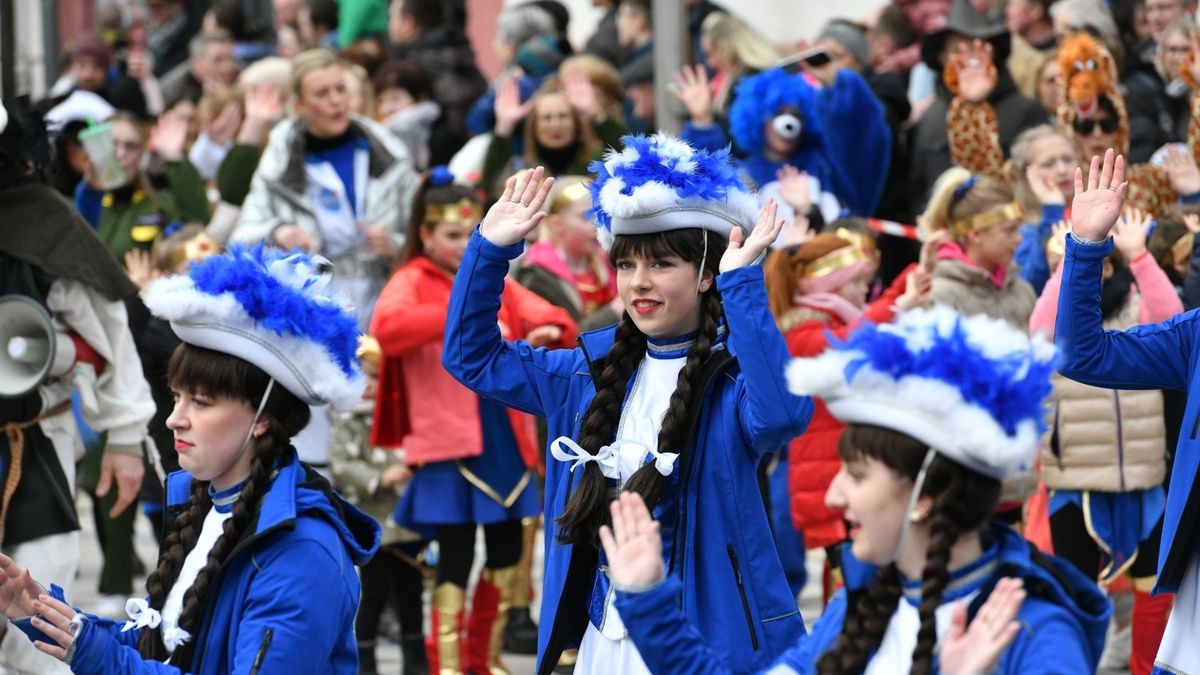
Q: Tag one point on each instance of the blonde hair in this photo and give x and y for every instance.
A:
(737, 41)
(567, 191)
(947, 210)
(213, 103)
(312, 60)
(167, 252)
(1021, 156)
(273, 70)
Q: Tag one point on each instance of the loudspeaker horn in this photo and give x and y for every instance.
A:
(29, 345)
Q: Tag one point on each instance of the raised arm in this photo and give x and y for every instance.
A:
(1144, 357)
(513, 373)
(971, 123)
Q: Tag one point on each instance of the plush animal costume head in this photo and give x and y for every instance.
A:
(1086, 73)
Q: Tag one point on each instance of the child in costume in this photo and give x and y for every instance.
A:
(679, 402)
(1159, 356)
(473, 458)
(1104, 456)
(939, 408)
(1043, 162)
(373, 478)
(818, 293)
(837, 134)
(257, 570)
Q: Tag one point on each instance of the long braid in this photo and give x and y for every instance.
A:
(184, 532)
(647, 481)
(267, 451)
(866, 622)
(942, 535)
(587, 509)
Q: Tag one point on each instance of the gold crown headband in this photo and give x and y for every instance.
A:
(463, 212)
(990, 218)
(568, 195)
(834, 261)
(198, 247)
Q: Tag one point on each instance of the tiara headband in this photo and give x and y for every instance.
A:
(463, 212)
(990, 218)
(834, 261)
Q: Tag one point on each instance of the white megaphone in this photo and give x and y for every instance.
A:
(30, 348)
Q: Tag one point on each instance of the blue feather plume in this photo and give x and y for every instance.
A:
(759, 98)
(1011, 388)
(712, 177)
(273, 304)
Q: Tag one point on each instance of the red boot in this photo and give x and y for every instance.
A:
(485, 626)
(442, 644)
(1149, 621)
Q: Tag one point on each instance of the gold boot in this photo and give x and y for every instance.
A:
(448, 603)
(504, 581)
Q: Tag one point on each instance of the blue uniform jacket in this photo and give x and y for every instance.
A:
(1156, 356)
(733, 587)
(1063, 618)
(285, 601)
(1031, 252)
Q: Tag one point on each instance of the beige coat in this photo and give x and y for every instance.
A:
(969, 290)
(1106, 440)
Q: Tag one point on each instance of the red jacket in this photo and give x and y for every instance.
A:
(420, 406)
(813, 457)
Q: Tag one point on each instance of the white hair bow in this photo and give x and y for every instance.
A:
(605, 457)
(142, 615)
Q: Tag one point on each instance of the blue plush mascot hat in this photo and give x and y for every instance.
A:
(759, 98)
(972, 388)
(273, 309)
(659, 183)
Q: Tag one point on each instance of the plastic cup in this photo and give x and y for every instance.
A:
(97, 141)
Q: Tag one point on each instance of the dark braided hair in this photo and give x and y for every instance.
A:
(217, 375)
(587, 508)
(963, 501)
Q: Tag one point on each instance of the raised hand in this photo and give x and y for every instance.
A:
(1043, 187)
(976, 71)
(1181, 169)
(1129, 234)
(745, 250)
(916, 288)
(793, 188)
(169, 136)
(929, 247)
(139, 267)
(967, 650)
(264, 107)
(519, 209)
(1094, 211)
(581, 94)
(691, 88)
(633, 546)
(508, 107)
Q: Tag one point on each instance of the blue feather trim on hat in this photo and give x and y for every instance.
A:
(272, 308)
(659, 183)
(973, 388)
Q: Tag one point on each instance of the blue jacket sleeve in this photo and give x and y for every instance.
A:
(515, 374)
(858, 138)
(482, 115)
(1031, 252)
(665, 637)
(87, 202)
(710, 138)
(1143, 357)
(1056, 646)
(770, 415)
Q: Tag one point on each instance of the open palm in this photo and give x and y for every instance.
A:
(977, 648)
(18, 590)
(519, 210)
(1095, 210)
(633, 546)
(744, 250)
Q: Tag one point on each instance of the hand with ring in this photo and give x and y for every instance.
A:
(519, 209)
(1095, 210)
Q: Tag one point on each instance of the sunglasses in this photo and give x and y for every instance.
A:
(1086, 127)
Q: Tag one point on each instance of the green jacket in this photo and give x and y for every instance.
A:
(135, 219)
(496, 163)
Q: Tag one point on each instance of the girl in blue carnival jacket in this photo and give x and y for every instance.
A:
(922, 458)
(679, 402)
(257, 571)
(1162, 356)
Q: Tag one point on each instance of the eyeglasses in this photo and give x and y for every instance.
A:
(1086, 127)
(127, 146)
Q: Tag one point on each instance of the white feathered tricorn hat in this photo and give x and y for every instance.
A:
(972, 388)
(658, 183)
(273, 309)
